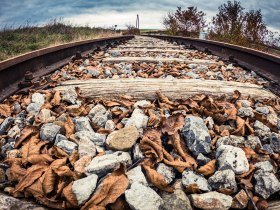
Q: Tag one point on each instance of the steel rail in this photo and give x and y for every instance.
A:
(44, 61)
(264, 64)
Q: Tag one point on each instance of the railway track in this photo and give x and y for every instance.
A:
(138, 123)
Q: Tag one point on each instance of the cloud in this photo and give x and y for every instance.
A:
(121, 12)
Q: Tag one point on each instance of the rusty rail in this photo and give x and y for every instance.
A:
(264, 64)
(44, 61)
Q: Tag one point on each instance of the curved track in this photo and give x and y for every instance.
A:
(61, 87)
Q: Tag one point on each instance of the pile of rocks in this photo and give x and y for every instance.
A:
(104, 141)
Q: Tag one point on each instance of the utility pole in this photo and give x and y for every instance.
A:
(137, 21)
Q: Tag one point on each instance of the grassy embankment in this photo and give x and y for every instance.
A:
(14, 42)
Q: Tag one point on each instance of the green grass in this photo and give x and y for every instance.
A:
(14, 42)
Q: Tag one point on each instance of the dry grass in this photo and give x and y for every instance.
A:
(21, 40)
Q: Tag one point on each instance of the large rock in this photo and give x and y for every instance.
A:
(49, 131)
(86, 147)
(8, 202)
(196, 135)
(33, 108)
(83, 188)
(97, 109)
(122, 139)
(97, 138)
(82, 124)
(38, 98)
(260, 126)
(67, 146)
(265, 166)
(245, 112)
(234, 158)
(136, 175)
(100, 119)
(189, 177)
(231, 140)
(137, 119)
(167, 172)
(101, 165)
(223, 180)
(175, 201)
(140, 197)
(211, 201)
(266, 183)
(69, 95)
(275, 142)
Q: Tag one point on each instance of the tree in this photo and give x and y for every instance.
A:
(255, 29)
(228, 23)
(185, 22)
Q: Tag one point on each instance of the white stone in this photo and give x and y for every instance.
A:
(38, 98)
(166, 171)
(230, 157)
(189, 177)
(83, 188)
(136, 175)
(140, 197)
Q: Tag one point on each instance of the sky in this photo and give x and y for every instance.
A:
(106, 13)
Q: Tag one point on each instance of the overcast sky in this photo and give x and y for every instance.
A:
(119, 12)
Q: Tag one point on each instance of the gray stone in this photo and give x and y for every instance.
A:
(166, 171)
(122, 139)
(38, 98)
(265, 166)
(260, 126)
(211, 201)
(137, 154)
(69, 95)
(231, 140)
(110, 125)
(33, 108)
(245, 112)
(86, 147)
(93, 72)
(101, 165)
(230, 157)
(142, 104)
(8, 202)
(189, 177)
(244, 103)
(263, 110)
(136, 175)
(175, 201)
(275, 142)
(108, 73)
(49, 131)
(60, 137)
(82, 124)
(263, 135)
(100, 119)
(97, 138)
(202, 160)
(83, 188)
(6, 124)
(266, 183)
(137, 119)
(223, 180)
(140, 197)
(67, 146)
(267, 147)
(253, 142)
(98, 108)
(192, 75)
(16, 107)
(196, 135)
(13, 132)
(192, 66)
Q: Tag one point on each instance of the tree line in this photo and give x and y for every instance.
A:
(231, 24)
